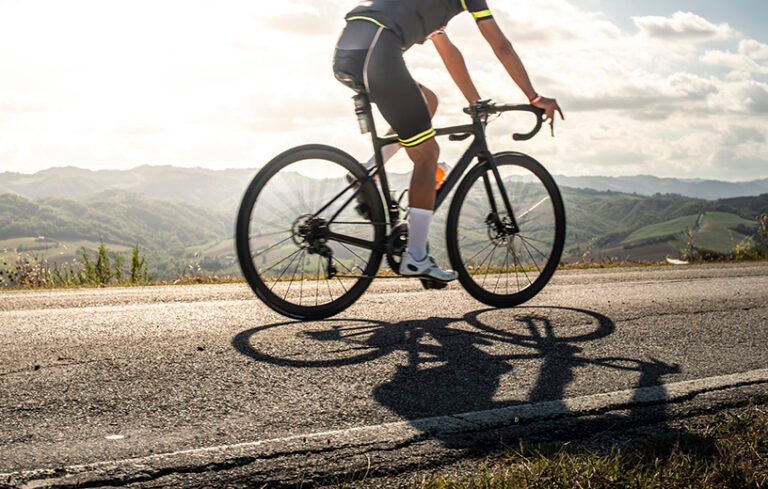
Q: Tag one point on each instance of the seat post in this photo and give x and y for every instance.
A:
(363, 112)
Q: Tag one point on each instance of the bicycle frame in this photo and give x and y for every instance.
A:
(478, 148)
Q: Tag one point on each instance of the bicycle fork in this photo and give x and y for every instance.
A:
(494, 219)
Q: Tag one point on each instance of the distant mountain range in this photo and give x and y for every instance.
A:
(186, 216)
(222, 189)
(650, 185)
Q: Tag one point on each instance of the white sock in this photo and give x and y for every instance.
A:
(387, 152)
(418, 232)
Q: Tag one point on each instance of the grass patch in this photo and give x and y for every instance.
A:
(730, 452)
(663, 229)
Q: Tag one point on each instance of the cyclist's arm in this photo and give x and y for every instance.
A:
(503, 50)
(457, 68)
(514, 66)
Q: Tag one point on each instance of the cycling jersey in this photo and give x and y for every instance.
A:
(414, 20)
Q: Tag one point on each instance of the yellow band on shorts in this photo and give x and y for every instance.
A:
(419, 138)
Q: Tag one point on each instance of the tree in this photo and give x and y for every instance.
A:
(118, 268)
(138, 266)
(103, 270)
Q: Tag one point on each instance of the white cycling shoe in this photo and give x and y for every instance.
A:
(426, 268)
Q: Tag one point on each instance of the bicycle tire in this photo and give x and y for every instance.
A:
(539, 187)
(276, 194)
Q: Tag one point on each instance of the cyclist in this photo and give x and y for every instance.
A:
(369, 56)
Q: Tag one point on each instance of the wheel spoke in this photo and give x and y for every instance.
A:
(522, 268)
(271, 247)
(493, 251)
(317, 282)
(301, 283)
(526, 240)
(284, 269)
(300, 261)
(268, 235)
(362, 260)
(475, 255)
(535, 263)
(502, 271)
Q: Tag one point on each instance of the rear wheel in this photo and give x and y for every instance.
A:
(303, 248)
(497, 264)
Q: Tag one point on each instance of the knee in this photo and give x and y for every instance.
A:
(426, 153)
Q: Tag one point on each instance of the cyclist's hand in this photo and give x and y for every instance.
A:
(550, 106)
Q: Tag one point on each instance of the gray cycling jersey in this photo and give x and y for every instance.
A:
(414, 20)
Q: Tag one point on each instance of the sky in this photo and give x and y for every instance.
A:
(673, 88)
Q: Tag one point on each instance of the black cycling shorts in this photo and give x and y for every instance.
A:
(373, 56)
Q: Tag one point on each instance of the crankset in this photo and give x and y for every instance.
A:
(396, 244)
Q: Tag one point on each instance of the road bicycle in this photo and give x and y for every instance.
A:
(308, 252)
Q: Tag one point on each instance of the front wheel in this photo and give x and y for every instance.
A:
(302, 247)
(497, 264)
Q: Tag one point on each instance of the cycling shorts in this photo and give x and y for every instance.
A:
(373, 56)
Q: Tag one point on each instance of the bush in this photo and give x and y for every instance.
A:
(106, 268)
(27, 272)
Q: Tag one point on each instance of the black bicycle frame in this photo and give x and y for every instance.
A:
(478, 148)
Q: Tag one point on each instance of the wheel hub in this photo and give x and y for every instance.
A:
(309, 232)
(500, 229)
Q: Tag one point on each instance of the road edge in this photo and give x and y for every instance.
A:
(259, 457)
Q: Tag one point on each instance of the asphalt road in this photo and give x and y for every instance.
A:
(126, 381)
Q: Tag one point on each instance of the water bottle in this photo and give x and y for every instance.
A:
(363, 111)
(442, 171)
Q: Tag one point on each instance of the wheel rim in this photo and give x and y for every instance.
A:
(499, 259)
(296, 264)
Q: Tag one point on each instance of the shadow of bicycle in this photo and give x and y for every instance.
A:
(444, 366)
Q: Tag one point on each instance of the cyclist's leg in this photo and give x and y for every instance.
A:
(405, 106)
(422, 189)
(389, 151)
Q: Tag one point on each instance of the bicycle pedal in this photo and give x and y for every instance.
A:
(432, 284)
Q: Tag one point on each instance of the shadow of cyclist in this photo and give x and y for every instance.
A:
(458, 365)
(447, 371)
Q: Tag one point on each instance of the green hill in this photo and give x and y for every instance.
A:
(60, 227)
(650, 228)
(176, 233)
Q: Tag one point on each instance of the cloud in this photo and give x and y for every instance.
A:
(751, 57)
(305, 18)
(756, 98)
(17, 105)
(742, 135)
(650, 98)
(683, 26)
(234, 84)
(754, 49)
